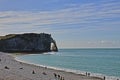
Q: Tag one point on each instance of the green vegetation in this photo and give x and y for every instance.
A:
(7, 36)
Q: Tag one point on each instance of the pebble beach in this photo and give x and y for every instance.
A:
(11, 69)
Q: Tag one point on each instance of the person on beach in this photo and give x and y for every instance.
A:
(55, 75)
(104, 78)
(63, 78)
(86, 73)
(33, 72)
(58, 76)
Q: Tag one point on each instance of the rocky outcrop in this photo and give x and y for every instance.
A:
(28, 42)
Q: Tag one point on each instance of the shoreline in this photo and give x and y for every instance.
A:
(83, 73)
(18, 70)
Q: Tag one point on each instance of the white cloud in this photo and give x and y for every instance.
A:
(86, 15)
(82, 11)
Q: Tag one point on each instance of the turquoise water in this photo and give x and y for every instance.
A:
(103, 61)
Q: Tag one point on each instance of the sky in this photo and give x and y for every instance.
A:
(72, 23)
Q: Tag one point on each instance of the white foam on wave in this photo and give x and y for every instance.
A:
(50, 53)
(73, 71)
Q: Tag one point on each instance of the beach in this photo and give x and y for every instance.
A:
(11, 69)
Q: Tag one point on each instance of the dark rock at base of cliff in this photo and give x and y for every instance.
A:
(28, 42)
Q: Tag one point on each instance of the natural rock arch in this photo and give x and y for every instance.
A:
(53, 45)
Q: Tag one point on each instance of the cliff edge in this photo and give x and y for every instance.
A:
(28, 42)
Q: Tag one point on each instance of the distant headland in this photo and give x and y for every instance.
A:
(28, 42)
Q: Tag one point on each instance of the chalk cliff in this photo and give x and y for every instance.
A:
(28, 42)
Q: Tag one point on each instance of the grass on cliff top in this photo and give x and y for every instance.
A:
(7, 36)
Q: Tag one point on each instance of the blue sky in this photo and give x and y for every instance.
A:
(72, 23)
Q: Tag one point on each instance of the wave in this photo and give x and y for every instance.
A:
(50, 53)
(71, 70)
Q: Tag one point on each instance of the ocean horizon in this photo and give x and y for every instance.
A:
(98, 61)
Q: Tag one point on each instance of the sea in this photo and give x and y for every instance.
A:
(97, 61)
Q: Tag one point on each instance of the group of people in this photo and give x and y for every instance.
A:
(104, 78)
(87, 74)
(58, 77)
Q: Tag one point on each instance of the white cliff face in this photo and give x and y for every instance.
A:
(27, 43)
